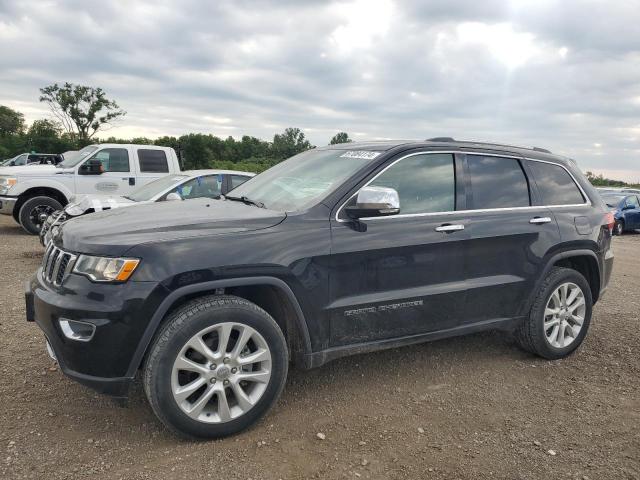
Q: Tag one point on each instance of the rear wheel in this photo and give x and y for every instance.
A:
(35, 211)
(560, 316)
(216, 367)
(618, 229)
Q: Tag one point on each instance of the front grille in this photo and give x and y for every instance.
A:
(57, 265)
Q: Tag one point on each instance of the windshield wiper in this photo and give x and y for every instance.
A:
(244, 199)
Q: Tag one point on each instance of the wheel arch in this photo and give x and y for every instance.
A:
(41, 191)
(270, 293)
(584, 261)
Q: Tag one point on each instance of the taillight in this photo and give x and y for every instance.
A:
(609, 221)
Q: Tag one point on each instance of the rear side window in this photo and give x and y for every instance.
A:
(555, 184)
(153, 161)
(425, 183)
(498, 182)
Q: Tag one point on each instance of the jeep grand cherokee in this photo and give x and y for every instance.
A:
(338, 250)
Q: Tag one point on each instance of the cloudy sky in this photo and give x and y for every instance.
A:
(561, 74)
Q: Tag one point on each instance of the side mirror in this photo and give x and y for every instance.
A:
(91, 167)
(375, 202)
(173, 196)
(12, 163)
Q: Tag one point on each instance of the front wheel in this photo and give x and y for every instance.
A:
(618, 229)
(35, 211)
(216, 367)
(560, 315)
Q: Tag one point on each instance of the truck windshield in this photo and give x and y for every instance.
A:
(302, 180)
(151, 189)
(75, 158)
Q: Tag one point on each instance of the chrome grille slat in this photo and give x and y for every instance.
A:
(57, 265)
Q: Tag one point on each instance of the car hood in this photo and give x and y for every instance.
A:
(113, 232)
(30, 170)
(79, 204)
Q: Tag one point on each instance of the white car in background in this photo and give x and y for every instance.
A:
(180, 186)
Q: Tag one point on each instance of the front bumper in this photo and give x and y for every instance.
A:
(120, 314)
(7, 204)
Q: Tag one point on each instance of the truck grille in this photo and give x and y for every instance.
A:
(57, 265)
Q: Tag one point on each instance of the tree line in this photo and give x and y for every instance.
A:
(80, 113)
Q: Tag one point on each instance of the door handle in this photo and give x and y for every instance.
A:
(540, 220)
(448, 228)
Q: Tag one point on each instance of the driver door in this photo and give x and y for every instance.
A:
(117, 175)
(404, 274)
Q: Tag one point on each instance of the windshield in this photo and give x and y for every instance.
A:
(151, 189)
(612, 201)
(302, 180)
(75, 158)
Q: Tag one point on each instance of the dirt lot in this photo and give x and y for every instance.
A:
(475, 407)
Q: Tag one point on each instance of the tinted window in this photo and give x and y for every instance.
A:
(425, 183)
(153, 161)
(237, 180)
(113, 159)
(555, 185)
(497, 182)
(209, 186)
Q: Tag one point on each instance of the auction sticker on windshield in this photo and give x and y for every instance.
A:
(360, 154)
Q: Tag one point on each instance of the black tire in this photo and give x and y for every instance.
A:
(618, 228)
(33, 209)
(182, 325)
(531, 336)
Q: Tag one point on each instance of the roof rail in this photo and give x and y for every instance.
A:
(543, 150)
(440, 139)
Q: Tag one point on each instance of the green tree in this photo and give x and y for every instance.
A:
(81, 110)
(341, 137)
(289, 143)
(11, 121)
(46, 136)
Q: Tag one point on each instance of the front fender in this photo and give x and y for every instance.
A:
(173, 297)
(25, 184)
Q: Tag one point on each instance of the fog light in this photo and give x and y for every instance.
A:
(75, 330)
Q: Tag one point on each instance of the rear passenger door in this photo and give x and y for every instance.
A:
(401, 275)
(152, 164)
(509, 234)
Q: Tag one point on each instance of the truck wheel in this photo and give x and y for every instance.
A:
(218, 364)
(35, 211)
(618, 229)
(560, 315)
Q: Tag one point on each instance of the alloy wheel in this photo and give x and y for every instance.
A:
(221, 372)
(564, 315)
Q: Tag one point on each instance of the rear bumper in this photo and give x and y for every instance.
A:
(7, 204)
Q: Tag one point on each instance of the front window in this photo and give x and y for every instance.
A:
(303, 180)
(113, 159)
(151, 189)
(74, 158)
(21, 159)
(209, 186)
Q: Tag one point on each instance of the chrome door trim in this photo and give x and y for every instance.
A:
(453, 212)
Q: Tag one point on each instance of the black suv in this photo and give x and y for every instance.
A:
(338, 250)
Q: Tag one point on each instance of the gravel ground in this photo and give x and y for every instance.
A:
(473, 407)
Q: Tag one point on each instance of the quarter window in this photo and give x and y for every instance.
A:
(153, 161)
(555, 185)
(113, 159)
(425, 183)
(237, 180)
(497, 182)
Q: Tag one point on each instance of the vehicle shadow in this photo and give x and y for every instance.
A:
(13, 230)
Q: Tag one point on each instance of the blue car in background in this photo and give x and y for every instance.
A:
(626, 210)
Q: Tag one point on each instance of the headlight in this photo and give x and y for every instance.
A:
(6, 183)
(106, 269)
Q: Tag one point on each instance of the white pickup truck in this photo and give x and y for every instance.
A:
(31, 193)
